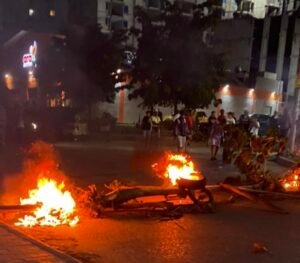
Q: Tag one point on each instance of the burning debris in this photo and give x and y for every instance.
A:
(56, 205)
(176, 167)
(44, 185)
(52, 203)
(181, 178)
(291, 181)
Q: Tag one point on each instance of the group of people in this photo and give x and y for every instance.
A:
(151, 125)
(183, 127)
(245, 122)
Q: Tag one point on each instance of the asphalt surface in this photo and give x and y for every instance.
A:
(226, 236)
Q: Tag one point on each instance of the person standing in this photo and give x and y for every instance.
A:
(274, 121)
(244, 121)
(155, 125)
(181, 131)
(215, 138)
(230, 119)
(146, 127)
(285, 123)
(254, 127)
(190, 124)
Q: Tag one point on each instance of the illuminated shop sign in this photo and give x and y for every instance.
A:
(29, 59)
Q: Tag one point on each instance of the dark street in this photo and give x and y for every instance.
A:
(225, 236)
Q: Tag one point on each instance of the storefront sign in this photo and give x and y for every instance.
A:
(29, 59)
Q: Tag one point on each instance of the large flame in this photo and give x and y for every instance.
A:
(177, 166)
(56, 206)
(291, 182)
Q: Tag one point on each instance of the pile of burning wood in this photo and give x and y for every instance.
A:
(184, 187)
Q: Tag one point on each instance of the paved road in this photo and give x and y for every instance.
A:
(226, 236)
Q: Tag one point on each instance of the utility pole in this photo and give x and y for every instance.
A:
(294, 91)
(296, 111)
(294, 58)
(282, 41)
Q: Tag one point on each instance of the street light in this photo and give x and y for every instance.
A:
(119, 71)
(8, 81)
(273, 95)
(251, 91)
(225, 88)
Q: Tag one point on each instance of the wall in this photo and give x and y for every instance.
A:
(235, 43)
(262, 99)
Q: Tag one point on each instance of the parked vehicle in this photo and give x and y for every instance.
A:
(267, 124)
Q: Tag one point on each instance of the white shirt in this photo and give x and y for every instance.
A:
(255, 128)
(230, 121)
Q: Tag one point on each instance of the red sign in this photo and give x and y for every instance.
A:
(27, 60)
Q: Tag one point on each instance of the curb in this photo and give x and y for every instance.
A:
(285, 161)
(39, 244)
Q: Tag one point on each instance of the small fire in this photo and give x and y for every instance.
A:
(56, 206)
(291, 182)
(177, 166)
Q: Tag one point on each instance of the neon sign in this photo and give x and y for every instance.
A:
(29, 59)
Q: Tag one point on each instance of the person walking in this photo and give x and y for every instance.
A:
(146, 127)
(212, 116)
(215, 138)
(181, 131)
(222, 118)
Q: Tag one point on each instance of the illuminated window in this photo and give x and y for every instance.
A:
(31, 12)
(52, 12)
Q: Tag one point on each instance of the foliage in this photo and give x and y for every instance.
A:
(250, 154)
(82, 63)
(175, 61)
(97, 56)
(51, 70)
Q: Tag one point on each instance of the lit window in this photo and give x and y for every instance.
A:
(52, 12)
(31, 12)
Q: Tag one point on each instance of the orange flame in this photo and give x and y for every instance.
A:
(291, 182)
(57, 206)
(177, 166)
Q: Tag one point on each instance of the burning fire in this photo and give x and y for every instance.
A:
(56, 206)
(177, 166)
(291, 182)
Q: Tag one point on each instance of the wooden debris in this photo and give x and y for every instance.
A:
(253, 198)
(125, 194)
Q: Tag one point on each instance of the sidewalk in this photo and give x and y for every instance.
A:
(18, 248)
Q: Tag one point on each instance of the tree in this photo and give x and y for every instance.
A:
(97, 55)
(53, 69)
(175, 61)
(81, 61)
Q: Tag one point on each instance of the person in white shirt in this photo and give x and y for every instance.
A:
(254, 126)
(230, 120)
